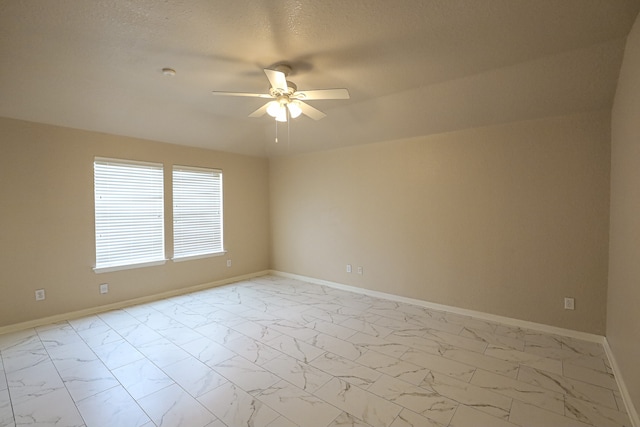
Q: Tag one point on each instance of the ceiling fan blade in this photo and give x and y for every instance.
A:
(251, 95)
(260, 111)
(277, 79)
(322, 94)
(308, 110)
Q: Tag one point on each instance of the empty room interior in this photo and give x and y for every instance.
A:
(320, 213)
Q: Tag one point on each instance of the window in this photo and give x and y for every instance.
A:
(129, 203)
(197, 212)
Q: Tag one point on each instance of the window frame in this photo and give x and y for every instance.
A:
(217, 219)
(152, 192)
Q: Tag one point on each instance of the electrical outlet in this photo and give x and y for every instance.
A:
(360, 271)
(40, 295)
(348, 268)
(569, 304)
(104, 288)
(228, 263)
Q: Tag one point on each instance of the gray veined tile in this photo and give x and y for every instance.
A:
(456, 340)
(186, 316)
(141, 378)
(570, 356)
(235, 407)
(417, 342)
(218, 332)
(360, 403)
(163, 352)
(440, 364)
(407, 418)
(16, 360)
(298, 405)
(63, 324)
(347, 420)
(591, 376)
(292, 329)
(486, 401)
(528, 359)
(489, 337)
(100, 338)
(438, 324)
(298, 373)
(511, 331)
(416, 310)
(470, 322)
(280, 422)
(256, 331)
(478, 360)
(194, 376)
(87, 379)
(53, 409)
(585, 348)
(524, 414)
(466, 416)
(331, 329)
(140, 310)
(367, 327)
(117, 353)
(424, 401)
(538, 396)
(27, 384)
(6, 412)
(118, 319)
(179, 334)
(252, 350)
(207, 351)
(596, 415)
(393, 367)
(400, 326)
(296, 348)
(112, 407)
(20, 340)
(68, 356)
(173, 407)
(337, 346)
(542, 339)
(567, 386)
(89, 324)
(61, 335)
(381, 345)
(345, 369)
(139, 334)
(390, 312)
(249, 376)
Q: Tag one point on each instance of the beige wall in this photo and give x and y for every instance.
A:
(506, 220)
(46, 210)
(623, 303)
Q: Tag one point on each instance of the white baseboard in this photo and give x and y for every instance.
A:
(626, 398)
(122, 304)
(456, 310)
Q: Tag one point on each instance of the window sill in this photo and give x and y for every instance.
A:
(192, 257)
(99, 270)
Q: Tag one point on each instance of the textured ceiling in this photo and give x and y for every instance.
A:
(412, 67)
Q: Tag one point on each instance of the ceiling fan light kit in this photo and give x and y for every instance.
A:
(287, 100)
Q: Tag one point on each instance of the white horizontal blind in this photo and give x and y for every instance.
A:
(129, 203)
(197, 212)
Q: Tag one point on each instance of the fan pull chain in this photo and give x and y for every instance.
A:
(288, 130)
(276, 131)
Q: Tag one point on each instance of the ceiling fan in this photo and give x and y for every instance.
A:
(288, 101)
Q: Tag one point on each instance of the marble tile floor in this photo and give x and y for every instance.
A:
(277, 352)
